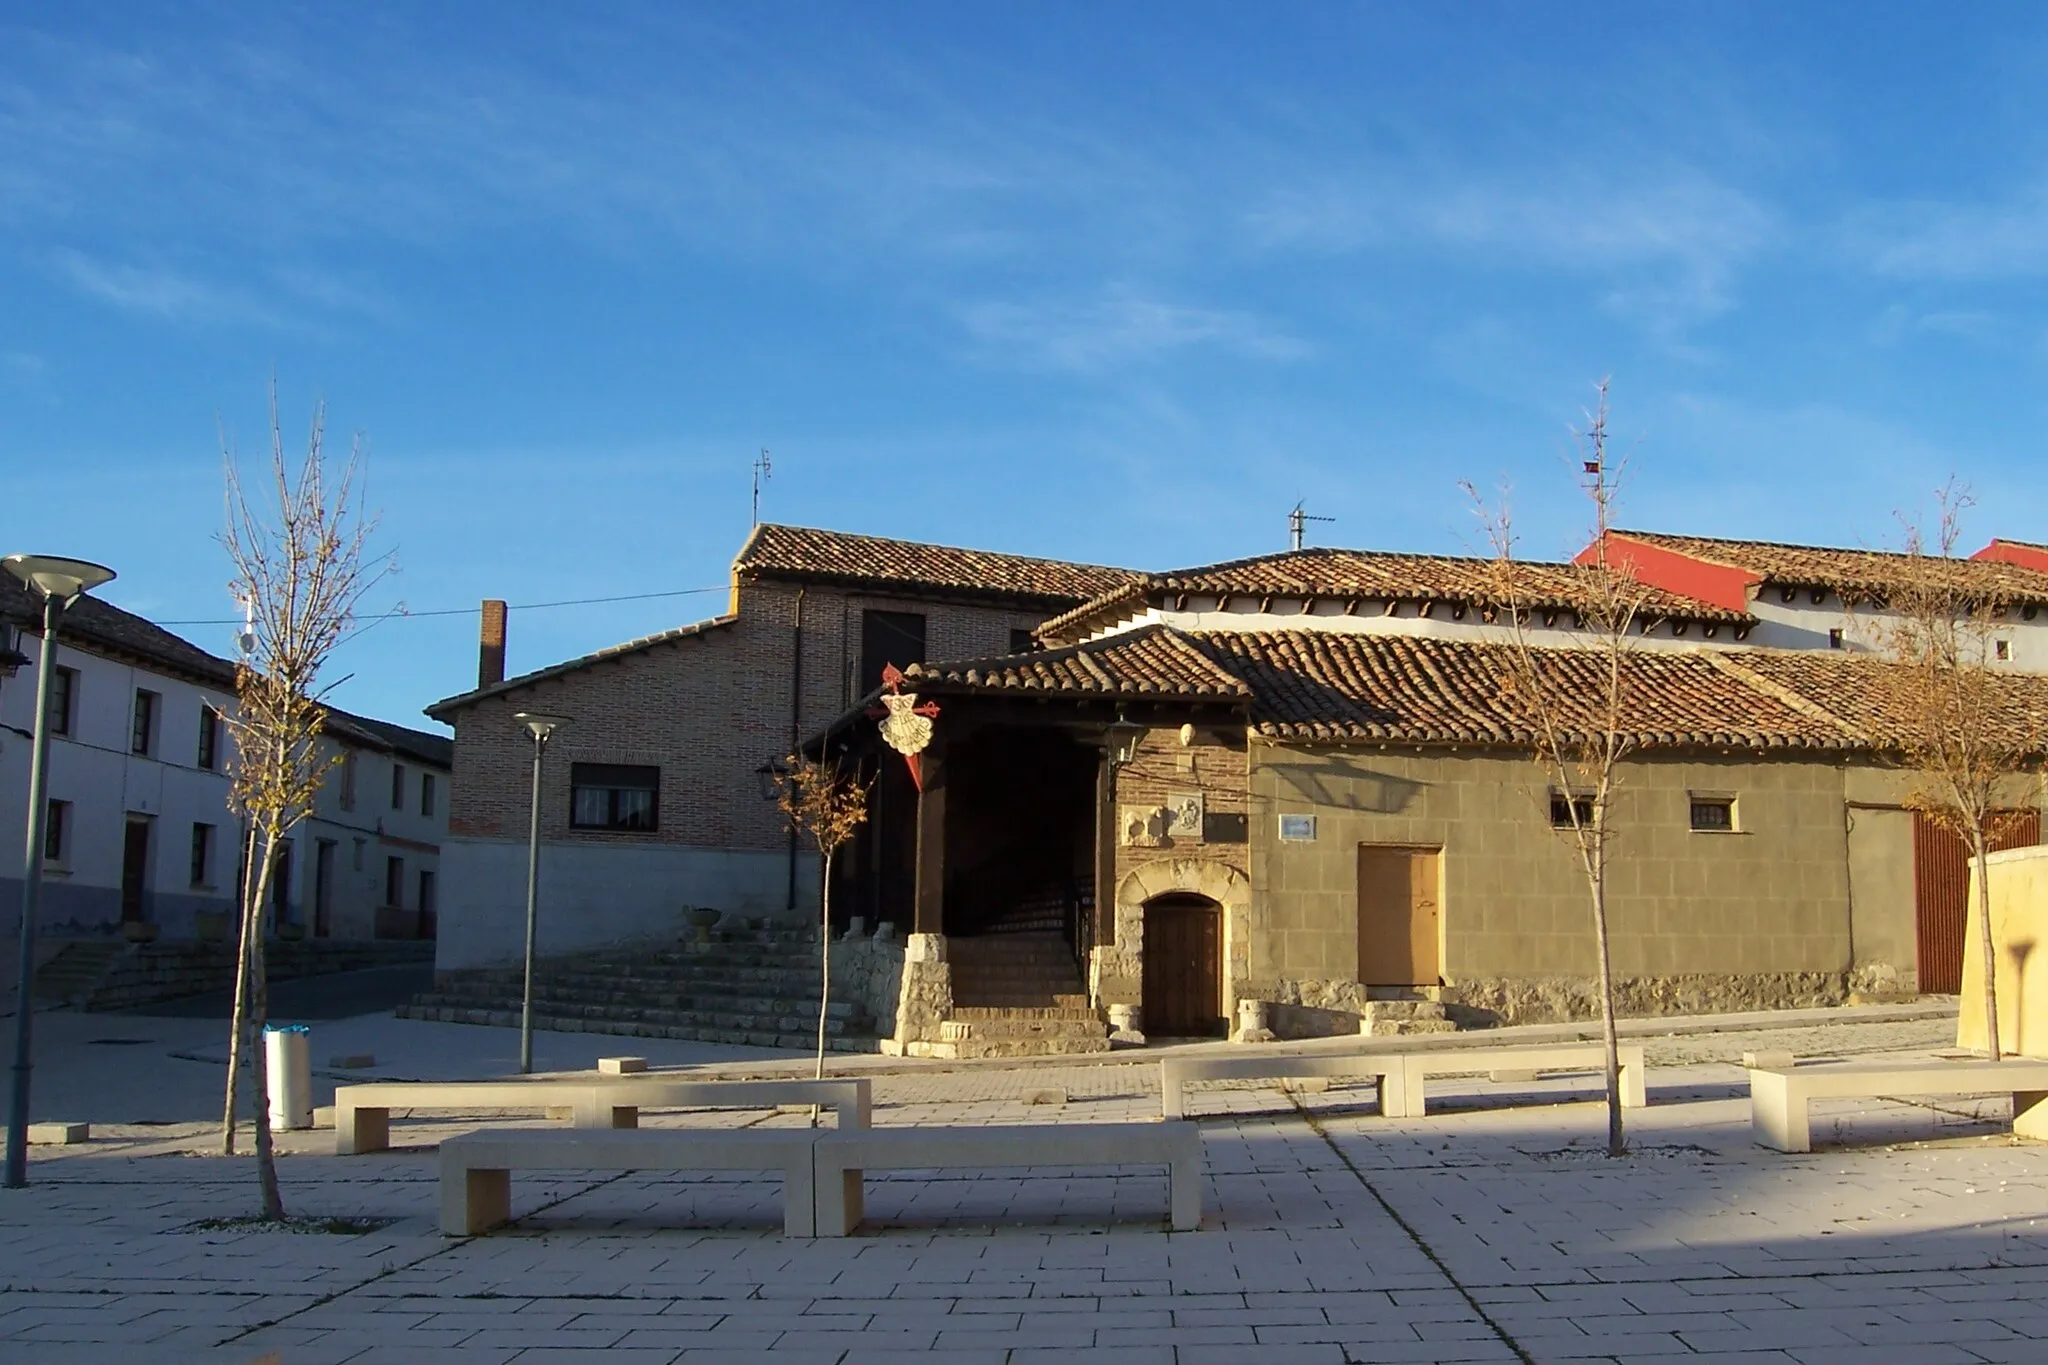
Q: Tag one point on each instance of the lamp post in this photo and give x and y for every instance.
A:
(60, 581)
(540, 725)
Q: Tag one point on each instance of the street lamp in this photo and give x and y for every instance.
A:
(60, 581)
(540, 725)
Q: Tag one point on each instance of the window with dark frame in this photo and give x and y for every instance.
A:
(1713, 814)
(398, 786)
(63, 692)
(426, 793)
(2001, 649)
(202, 854)
(614, 796)
(142, 733)
(56, 831)
(348, 785)
(209, 737)
(1561, 811)
(888, 637)
(394, 883)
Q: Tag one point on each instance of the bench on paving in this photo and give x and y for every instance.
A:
(476, 1168)
(844, 1158)
(1778, 1096)
(362, 1113)
(1176, 1072)
(1504, 1063)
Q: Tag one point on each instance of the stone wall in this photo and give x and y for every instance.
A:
(925, 999)
(867, 969)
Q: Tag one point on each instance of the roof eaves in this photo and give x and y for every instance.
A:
(440, 710)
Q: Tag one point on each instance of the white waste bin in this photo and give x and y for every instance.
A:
(288, 1055)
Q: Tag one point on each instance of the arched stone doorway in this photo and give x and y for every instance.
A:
(1183, 967)
(1116, 974)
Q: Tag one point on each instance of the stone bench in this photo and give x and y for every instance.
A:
(1176, 1072)
(1519, 1063)
(1778, 1096)
(844, 1157)
(362, 1113)
(476, 1168)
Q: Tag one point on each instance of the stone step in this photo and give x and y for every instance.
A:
(1403, 1028)
(801, 1039)
(1018, 1030)
(1403, 1009)
(840, 1019)
(961, 1049)
(702, 1000)
(1076, 1009)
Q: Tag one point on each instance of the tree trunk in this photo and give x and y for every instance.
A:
(1617, 1141)
(1987, 943)
(266, 1157)
(825, 960)
(256, 881)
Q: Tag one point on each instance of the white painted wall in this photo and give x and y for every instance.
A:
(93, 769)
(595, 895)
(365, 834)
(1805, 624)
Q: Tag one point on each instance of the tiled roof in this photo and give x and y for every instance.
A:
(1369, 575)
(1866, 693)
(835, 556)
(1153, 661)
(105, 628)
(1870, 572)
(442, 709)
(1321, 685)
(436, 751)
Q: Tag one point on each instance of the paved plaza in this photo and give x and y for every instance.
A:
(1493, 1230)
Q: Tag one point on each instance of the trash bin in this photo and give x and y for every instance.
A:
(288, 1055)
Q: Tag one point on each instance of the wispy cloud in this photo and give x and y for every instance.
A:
(273, 297)
(1119, 330)
(1953, 241)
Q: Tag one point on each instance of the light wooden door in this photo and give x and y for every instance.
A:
(1398, 915)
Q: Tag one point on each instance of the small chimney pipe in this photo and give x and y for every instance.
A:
(490, 647)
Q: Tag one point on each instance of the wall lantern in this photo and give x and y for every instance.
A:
(1121, 740)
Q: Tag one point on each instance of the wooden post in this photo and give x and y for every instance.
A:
(929, 904)
(1105, 853)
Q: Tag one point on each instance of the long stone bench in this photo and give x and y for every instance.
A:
(1176, 1072)
(1520, 1063)
(476, 1168)
(1778, 1096)
(362, 1113)
(1403, 1076)
(844, 1157)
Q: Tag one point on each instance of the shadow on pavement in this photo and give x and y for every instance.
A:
(340, 995)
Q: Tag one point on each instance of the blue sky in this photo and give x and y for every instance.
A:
(1116, 283)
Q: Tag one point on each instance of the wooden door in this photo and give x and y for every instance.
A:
(323, 888)
(1398, 920)
(134, 870)
(1183, 968)
(1941, 893)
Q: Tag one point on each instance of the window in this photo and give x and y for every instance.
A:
(613, 796)
(2001, 649)
(63, 693)
(348, 788)
(888, 637)
(398, 786)
(202, 854)
(1835, 638)
(356, 859)
(142, 734)
(1561, 811)
(56, 831)
(394, 883)
(1021, 641)
(209, 737)
(426, 793)
(1713, 814)
(426, 905)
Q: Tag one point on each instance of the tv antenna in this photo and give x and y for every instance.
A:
(761, 473)
(1297, 524)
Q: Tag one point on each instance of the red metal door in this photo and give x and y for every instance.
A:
(1941, 892)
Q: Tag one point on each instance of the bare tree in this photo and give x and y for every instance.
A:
(299, 552)
(1574, 705)
(1970, 740)
(818, 800)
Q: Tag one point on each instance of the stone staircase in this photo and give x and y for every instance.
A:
(111, 974)
(755, 986)
(1403, 1015)
(71, 974)
(1017, 995)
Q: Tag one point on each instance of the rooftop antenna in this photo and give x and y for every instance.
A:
(761, 472)
(1297, 524)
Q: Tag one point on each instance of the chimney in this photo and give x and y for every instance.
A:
(490, 646)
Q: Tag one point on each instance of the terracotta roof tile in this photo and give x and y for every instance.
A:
(1366, 575)
(805, 553)
(1152, 661)
(1839, 570)
(104, 627)
(1865, 691)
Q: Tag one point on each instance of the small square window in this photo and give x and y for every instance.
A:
(1561, 811)
(1835, 638)
(2001, 649)
(1298, 829)
(1713, 814)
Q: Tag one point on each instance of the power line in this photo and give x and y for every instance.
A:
(404, 613)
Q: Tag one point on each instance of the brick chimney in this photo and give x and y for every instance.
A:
(490, 646)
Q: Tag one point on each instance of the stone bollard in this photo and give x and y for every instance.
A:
(1254, 1021)
(1124, 1027)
